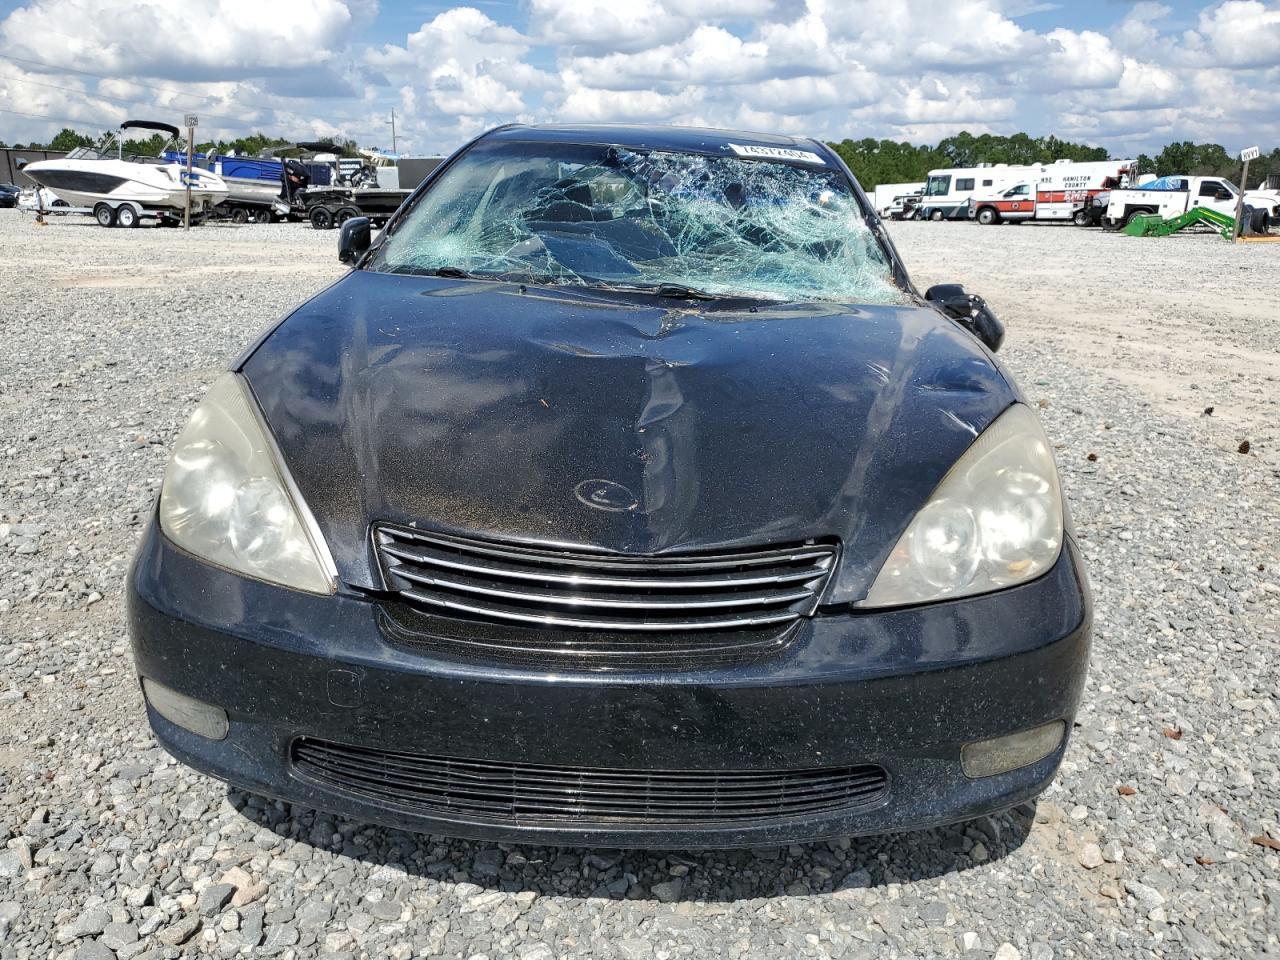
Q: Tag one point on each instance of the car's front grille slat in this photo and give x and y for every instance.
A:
(521, 792)
(604, 601)
(674, 796)
(549, 618)
(486, 581)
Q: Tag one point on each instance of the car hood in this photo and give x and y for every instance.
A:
(622, 423)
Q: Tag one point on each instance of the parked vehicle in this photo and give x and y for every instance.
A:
(356, 195)
(1169, 197)
(120, 190)
(1094, 210)
(890, 198)
(626, 493)
(42, 200)
(9, 194)
(254, 184)
(1055, 192)
(947, 192)
(906, 209)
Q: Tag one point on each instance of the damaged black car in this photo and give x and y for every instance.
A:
(625, 493)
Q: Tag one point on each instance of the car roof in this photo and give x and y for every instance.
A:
(654, 137)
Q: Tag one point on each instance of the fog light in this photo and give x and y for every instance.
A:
(986, 758)
(187, 712)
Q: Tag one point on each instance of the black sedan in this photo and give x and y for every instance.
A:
(625, 493)
(9, 194)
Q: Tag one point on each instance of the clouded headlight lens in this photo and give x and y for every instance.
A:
(995, 520)
(227, 497)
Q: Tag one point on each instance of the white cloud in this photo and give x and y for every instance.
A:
(1243, 33)
(833, 68)
(179, 40)
(1079, 60)
(901, 36)
(600, 26)
(592, 105)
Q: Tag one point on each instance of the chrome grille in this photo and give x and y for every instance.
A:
(535, 792)
(605, 592)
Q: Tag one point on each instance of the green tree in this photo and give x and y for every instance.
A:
(150, 147)
(887, 161)
(67, 139)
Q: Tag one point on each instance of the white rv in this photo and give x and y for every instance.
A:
(947, 192)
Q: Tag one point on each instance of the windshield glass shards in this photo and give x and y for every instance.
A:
(609, 217)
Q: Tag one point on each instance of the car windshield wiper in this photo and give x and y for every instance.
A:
(682, 292)
(456, 272)
(677, 291)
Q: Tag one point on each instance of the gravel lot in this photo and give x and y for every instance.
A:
(1144, 847)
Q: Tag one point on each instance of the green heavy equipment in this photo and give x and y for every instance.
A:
(1154, 225)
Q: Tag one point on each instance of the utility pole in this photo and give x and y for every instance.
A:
(192, 122)
(1250, 153)
(393, 129)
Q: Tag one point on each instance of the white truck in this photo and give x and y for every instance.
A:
(1175, 195)
(1052, 191)
(889, 198)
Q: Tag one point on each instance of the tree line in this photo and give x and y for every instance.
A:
(888, 161)
(873, 161)
(68, 139)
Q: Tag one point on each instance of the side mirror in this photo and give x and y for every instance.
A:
(353, 239)
(970, 310)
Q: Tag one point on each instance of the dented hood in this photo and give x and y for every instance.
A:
(628, 424)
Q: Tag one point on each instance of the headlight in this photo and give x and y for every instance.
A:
(994, 521)
(228, 499)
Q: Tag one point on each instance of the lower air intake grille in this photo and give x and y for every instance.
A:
(603, 592)
(526, 792)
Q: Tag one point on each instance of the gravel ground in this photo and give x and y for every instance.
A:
(1144, 847)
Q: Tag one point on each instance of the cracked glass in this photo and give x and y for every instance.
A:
(610, 217)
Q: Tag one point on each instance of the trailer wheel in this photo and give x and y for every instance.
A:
(935, 215)
(239, 215)
(264, 216)
(1080, 218)
(126, 216)
(104, 214)
(346, 213)
(321, 218)
(987, 216)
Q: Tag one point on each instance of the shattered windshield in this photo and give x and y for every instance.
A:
(611, 217)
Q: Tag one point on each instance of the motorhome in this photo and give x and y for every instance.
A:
(1052, 191)
(947, 192)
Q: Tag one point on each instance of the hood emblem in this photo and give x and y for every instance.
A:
(606, 495)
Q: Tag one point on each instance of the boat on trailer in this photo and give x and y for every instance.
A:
(120, 190)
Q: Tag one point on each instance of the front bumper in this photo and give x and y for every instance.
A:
(903, 689)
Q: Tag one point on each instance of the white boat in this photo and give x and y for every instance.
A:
(123, 189)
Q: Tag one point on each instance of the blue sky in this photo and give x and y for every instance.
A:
(1128, 76)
